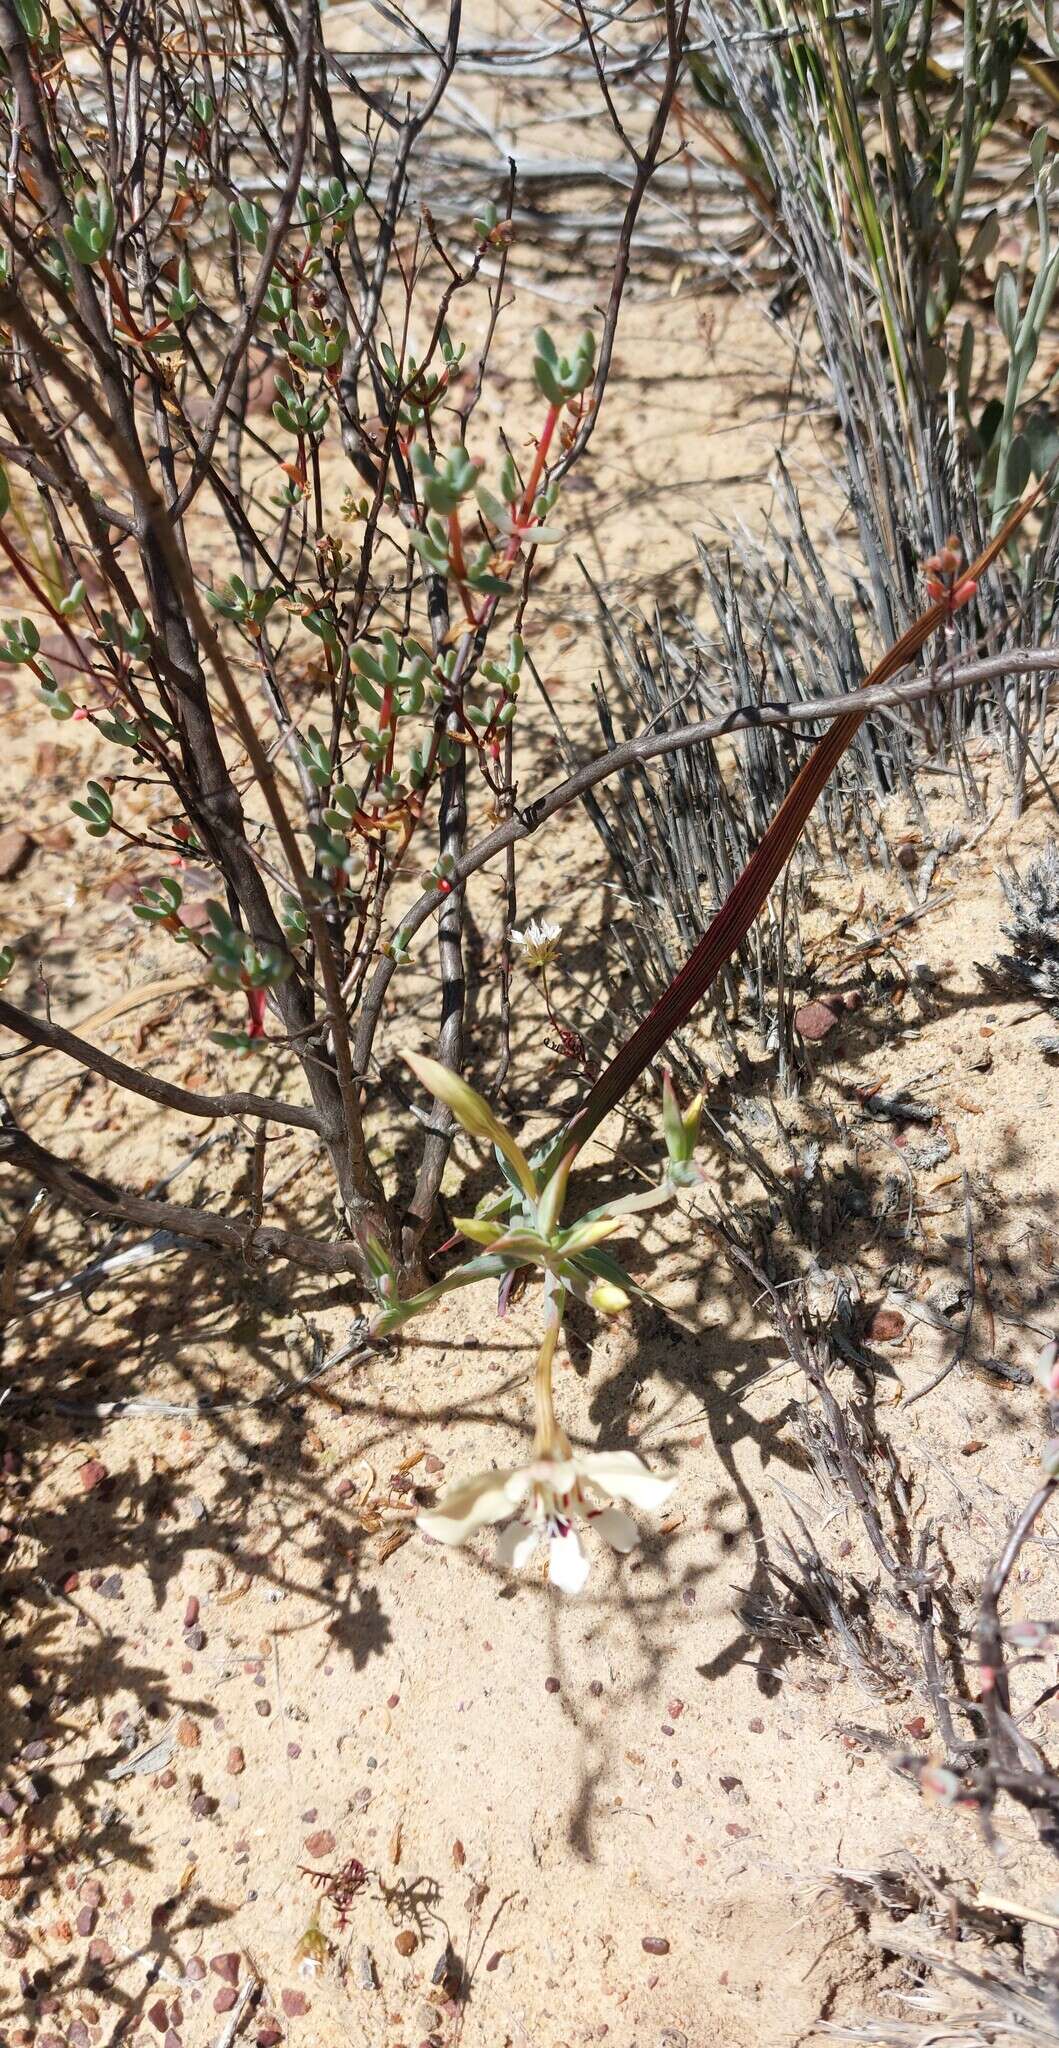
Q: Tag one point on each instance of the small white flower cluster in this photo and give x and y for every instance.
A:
(539, 943)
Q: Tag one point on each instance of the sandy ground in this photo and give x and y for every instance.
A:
(617, 1816)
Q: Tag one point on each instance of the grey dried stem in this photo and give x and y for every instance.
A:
(880, 155)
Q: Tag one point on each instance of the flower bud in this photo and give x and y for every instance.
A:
(1046, 1367)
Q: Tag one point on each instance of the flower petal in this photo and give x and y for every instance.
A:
(516, 1545)
(617, 1528)
(625, 1477)
(567, 1563)
(472, 1504)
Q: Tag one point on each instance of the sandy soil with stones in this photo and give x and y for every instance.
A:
(611, 1820)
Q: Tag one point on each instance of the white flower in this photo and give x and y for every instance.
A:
(539, 943)
(551, 1495)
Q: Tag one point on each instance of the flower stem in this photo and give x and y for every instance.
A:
(543, 1403)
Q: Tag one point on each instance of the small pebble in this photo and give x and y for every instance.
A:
(225, 1999)
(406, 1943)
(295, 2004)
(321, 1843)
(191, 1611)
(263, 1707)
(814, 1021)
(236, 1761)
(655, 1945)
(226, 1966)
(552, 1685)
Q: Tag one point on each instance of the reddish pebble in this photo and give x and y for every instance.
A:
(320, 1844)
(886, 1326)
(236, 1761)
(552, 1685)
(406, 1943)
(494, 1960)
(813, 1021)
(295, 2004)
(226, 1966)
(188, 1733)
(92, 1474)
(158, 2015)
(394, 1700)
(674, 1708)
(191, 1611)
(655, 1945)
(71, 1582)
(262, 1707)
(268, 2037)
(194, 1969)
(225, 1999)
(86, 1920)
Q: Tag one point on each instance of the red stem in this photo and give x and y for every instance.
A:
(539, 460)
